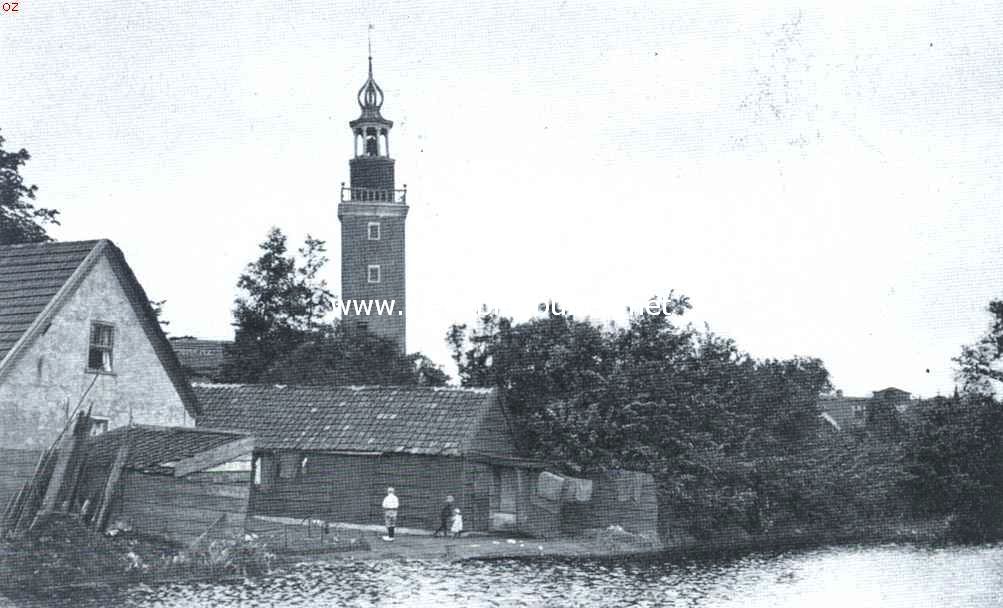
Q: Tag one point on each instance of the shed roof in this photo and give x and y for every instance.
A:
(36, 279)
(151, 447)
(413, 420)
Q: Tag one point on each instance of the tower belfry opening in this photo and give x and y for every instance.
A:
(372, 269)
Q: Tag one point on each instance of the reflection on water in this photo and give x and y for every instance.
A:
(889, 576)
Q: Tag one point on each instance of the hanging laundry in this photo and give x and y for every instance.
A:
(550, 486)
(577, 490)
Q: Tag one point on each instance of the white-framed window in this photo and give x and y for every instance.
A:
(99, 424)
(373, 231)
(373, 273)
(102, 343)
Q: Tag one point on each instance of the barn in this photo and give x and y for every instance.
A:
(330, 453)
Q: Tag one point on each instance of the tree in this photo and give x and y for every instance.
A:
(644, 394)
(352, 356)
(20, 220)
(282, 302)
(157, 306)
(955, 456)
(979, 365)
(883, 420)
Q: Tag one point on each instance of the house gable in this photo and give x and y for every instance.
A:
(493, 434)
(44, 375)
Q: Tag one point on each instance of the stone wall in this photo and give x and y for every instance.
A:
(47, 382)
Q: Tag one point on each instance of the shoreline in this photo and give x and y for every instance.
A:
(497, 548)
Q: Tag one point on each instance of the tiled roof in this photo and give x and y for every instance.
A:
(202, 357)
(37, 278)
(344, 418)
(150, 447)
(30, 275)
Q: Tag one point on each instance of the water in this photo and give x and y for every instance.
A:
(856, 577)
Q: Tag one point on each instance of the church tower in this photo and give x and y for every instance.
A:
(372, 213)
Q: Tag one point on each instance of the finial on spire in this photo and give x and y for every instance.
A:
(371, 95)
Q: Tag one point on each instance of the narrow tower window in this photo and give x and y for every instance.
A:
(374, 231)
(374, 273)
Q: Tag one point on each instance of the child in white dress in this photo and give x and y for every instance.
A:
(457, 526)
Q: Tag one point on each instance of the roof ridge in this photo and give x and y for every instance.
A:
(473, 390)
(88, 242)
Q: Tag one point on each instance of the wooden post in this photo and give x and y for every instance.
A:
(13, 507)
(69, 447)
(78, 459)
(114, 474)
(33, 493)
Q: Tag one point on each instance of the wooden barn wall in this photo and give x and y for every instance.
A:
(494, 435)
(350, 488)
(181, 509)
(16, 468)
(476, 498)
(533, 516)
(619, 498)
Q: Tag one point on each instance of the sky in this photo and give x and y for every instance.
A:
(819, 180)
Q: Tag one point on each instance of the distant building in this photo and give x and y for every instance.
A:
(900, 398)
(202, 360)
(851, 412)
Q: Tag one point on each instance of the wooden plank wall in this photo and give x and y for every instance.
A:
(180, 509)
(16, 468)
(350, 488)
(478, 479)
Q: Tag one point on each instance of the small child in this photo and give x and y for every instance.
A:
(457, 526)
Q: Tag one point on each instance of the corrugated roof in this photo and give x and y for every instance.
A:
(343, 418)
(150, 447)
(30, 276)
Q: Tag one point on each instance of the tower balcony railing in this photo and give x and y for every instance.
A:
(373, 195)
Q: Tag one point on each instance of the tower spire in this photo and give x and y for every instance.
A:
(371, 27)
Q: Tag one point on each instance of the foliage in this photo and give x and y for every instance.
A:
(244, 556)
(20, 220)
(284, 334)
(158, 312)
(352, 356)
(979, 365)
(735, 443)
(646, 395)
(955, 456)
(283, 300)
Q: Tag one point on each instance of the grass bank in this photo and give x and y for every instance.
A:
(62, 555)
